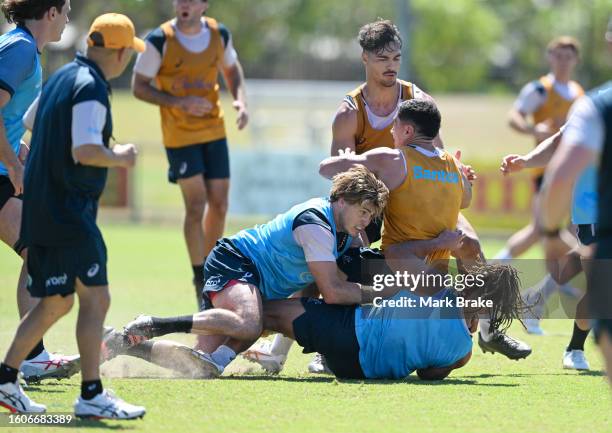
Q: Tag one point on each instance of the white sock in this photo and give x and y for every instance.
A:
(504, 254)
(281, 345)
(223, 355)
(484, 329)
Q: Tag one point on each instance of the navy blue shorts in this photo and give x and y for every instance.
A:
(225, 264)
(361, 264)
(330, 331)
(7, 191)
(209, 159)
(587, 233)
(54, 270)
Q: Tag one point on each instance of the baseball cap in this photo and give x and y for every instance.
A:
(114, 31)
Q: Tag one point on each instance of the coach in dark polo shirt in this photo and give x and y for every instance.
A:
(65, 176)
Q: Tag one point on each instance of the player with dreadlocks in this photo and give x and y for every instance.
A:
(426, 330)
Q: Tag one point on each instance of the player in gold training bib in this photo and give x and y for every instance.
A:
(179, 72)
(540, 110)
(427, 186)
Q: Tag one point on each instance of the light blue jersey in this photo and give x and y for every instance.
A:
(278, 257)
(584, 198)
(395, 341)
(21, 76)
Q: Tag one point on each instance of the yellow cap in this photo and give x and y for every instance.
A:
(114, 31)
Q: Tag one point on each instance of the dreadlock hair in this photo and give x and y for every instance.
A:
(502, 285)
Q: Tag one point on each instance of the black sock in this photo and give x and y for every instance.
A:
(142, 350)
(91, 388)
(38, 349)
(8, 374)
(578, 338)
(171, 325)
(198, 275)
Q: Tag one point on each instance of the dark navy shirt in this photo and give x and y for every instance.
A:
(60, 200)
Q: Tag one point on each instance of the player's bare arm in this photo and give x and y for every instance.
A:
(387, 164)
(539, 157)
(121, 155)
(519, 121)
(234, 78)
(143, 89)
(439, 373)
(335, 290)
(344, 129)
(466, 199)
(7, 156)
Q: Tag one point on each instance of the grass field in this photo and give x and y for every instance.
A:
(149, 272)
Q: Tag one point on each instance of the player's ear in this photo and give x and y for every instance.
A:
(364, 57)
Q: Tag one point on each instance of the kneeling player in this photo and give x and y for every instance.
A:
(273, 261)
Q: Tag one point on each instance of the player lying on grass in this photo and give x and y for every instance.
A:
(277, 259)
(427, 331)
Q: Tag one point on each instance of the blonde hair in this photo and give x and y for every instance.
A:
(359, 185)
(564, 42)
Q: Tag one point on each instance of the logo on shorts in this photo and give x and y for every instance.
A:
(183, 168)
(246, 276)
(213, 281)
(56, 281)
(91, 272)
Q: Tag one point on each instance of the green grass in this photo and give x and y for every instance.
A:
(149, 272)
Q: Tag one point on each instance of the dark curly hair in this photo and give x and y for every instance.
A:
(502, 285)
(379, 36)
(18, 11)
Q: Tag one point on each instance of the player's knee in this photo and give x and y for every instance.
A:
(194, 210)
(218, 205)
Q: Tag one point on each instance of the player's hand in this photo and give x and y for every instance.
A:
(243, 115)
(127, 154)
(451, 239)
(24, 151)
(512, 164)
(467, 170)
(346, 152)
(195, 105)
(15, 173)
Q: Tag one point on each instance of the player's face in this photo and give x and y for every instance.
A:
(190, 11)
(383, 66)
(562, 60)
(59, 21)
(355, 217)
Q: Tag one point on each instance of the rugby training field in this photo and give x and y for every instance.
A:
(147, 273)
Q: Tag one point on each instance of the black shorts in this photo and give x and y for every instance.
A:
(330, 331)
(361, 264)
(224, 264)
(537, 182)
(54, 270)
(209, 159)
(587, 233)
(7, 191)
